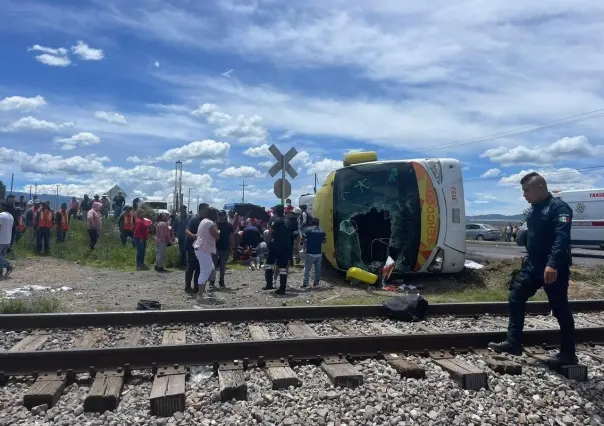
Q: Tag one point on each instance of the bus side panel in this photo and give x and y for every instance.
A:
(322, 208)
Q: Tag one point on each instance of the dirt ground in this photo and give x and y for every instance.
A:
(110, 290)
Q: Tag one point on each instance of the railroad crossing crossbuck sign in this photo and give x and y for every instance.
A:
(282, 186)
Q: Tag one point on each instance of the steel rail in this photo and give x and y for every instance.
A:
(84, 360)
(308, 313)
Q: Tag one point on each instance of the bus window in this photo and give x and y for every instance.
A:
(377, 214)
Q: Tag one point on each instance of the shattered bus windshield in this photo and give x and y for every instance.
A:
(377, 213)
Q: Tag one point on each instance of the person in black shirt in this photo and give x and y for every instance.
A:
(224, 244)
(192, 262)
(250, 239)
(279, 248)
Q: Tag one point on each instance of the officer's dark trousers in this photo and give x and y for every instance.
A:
(43, 240)
(523, 287)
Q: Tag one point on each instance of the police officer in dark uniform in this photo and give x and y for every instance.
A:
(279, 250)
(547, 265)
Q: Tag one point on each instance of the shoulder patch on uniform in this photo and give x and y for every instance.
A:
(564, 218)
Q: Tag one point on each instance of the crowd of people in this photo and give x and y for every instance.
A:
(206, 240)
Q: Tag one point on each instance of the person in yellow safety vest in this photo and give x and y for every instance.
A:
(44, 222)
(62, 223)
(126, 225)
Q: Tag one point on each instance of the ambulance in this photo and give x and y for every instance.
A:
(588, 216)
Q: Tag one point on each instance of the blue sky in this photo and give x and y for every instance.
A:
(94, 93)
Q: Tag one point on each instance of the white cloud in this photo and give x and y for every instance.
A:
(258, 151)
(266, 164)
(214, 162)
(61, 51)
(32, 123)
(81, 139)
(51, 165)
(562, 150)
(138, 160)
(491, 173)
(245, 129)
(241, 172)
(22, 103)
(53, 61)
(323, 167)
(214, 170)
(564, 178)
(287, 135)
(156, 64)
(87, 53)
(110, 117)
(207, 148)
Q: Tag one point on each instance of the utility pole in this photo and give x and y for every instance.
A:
(36, 193)
(30, 192)
(197, 204)
(12, 178)
(189, 202)
(315, 183)
(57, 203)
(243, 189)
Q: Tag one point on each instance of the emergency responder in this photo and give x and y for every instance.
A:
(43, 224)
(547, 265)
(62, 223)
(126, 225)
(279, 250)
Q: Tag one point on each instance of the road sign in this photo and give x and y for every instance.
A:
(283, 188)
(282, 163)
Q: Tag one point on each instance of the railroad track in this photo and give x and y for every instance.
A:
(268, 350)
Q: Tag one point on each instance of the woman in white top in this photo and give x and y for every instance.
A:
(205, 246)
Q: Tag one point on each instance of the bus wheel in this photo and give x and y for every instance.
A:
(480, 238)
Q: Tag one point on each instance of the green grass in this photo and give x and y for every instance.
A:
(108, 253)
(30, 306)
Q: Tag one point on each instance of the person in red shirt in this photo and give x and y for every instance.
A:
(141, 235)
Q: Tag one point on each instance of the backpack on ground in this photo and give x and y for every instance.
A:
(410, 307)
(148, 305)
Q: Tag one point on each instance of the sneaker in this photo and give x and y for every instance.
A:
(315, 285)
(9, 269)
(189, 290)
(221, 284)
(212, 284)
(505, 347)
(268, 287)
(280, 291)
(305, 286)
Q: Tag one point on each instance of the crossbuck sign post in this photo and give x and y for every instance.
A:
(282, 186)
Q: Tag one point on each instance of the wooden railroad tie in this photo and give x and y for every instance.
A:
(573, 372)
(48, 387)
(168, 391)
(230, 375)
(468, 376)
(397, 361)
(337, 368)
(107, 387)
(279, 371)
(499, 363)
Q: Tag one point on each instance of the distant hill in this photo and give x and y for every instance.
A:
(44, 197)
(497, 217)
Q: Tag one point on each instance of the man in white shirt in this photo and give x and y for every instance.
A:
(6, 232)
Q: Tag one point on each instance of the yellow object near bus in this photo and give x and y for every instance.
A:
(410, 210)
(361, 275)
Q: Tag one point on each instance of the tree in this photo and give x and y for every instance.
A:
(2, 190)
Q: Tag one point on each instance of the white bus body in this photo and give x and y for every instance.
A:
(588, 216)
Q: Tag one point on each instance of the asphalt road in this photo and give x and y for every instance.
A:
(480, 251)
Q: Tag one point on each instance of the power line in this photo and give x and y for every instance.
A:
(527, 129)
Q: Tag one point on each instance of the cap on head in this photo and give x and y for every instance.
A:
(222, 213)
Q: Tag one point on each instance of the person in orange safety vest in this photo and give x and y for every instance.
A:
(126, 225)
(62, 223)
(43, 224)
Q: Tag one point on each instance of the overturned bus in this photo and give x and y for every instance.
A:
(410, 210)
